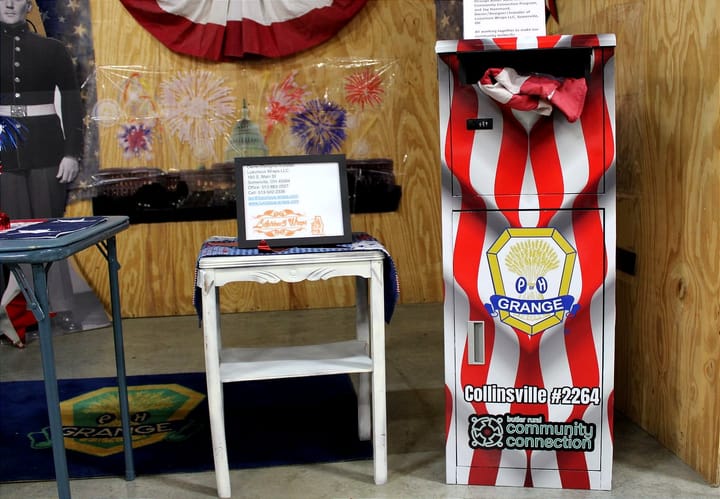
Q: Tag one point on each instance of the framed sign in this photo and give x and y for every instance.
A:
(292, 201)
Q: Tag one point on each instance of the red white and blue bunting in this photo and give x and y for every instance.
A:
(222, 30)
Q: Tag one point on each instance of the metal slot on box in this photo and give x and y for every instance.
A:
(476, 342)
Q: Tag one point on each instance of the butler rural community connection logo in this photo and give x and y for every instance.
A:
(92, 424)
(531, 271)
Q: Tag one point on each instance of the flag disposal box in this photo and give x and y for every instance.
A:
(527, 142)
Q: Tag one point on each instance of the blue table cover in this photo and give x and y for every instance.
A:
(51, 228)
(227, 246)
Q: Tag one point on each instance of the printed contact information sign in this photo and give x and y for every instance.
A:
(292, 201)
(502, 18)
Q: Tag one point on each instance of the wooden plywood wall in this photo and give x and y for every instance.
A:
(158, 259)
(668, 165)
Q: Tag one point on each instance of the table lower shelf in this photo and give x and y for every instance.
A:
(244, 364)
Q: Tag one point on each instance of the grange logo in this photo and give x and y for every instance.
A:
(92, 425)
(531, 271)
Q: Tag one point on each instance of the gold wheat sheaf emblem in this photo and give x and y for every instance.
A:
(531, 270)
(533, 259)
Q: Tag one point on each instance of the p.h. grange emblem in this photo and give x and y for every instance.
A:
(531, 270)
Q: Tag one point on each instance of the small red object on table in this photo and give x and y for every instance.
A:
(4, 221)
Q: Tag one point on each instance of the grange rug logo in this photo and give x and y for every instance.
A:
(92, 425)
(531, 271)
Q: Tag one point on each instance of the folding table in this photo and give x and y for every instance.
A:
(40, 253)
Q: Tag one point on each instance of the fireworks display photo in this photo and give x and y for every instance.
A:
(177, 120)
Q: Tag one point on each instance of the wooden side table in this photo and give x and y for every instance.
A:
(364, 355)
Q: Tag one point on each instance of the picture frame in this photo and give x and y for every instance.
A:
(285, 201)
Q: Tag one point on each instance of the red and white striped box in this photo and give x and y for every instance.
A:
(527, 141)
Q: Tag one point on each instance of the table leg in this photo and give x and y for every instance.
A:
(51, 386)
(377, 346)
(113, 267)
(211, 333)
(362, 326)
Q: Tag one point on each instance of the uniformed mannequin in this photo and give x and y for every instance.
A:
(35, 174)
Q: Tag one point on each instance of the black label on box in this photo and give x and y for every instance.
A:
(480, 124)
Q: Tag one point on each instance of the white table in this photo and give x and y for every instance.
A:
(364, 355)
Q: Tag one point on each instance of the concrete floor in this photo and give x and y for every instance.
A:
(642, 467)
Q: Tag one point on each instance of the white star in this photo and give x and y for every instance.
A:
(80, 30)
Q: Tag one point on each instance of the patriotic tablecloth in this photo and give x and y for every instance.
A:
(227, 246)
(48, 229)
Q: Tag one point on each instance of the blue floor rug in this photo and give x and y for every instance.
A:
(268, 423)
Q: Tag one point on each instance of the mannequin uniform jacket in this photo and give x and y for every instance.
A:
(31, 67)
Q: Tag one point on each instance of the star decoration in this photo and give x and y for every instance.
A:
(80, 30)
(444, 21)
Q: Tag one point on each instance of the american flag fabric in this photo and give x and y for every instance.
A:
(528, 235)
(535, 92)
(233, 29)
(361, 241)
(69, 22)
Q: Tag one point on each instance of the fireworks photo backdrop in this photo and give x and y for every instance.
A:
(175, 120)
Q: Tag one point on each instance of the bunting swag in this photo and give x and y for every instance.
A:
(222, 30)
(551, 10)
